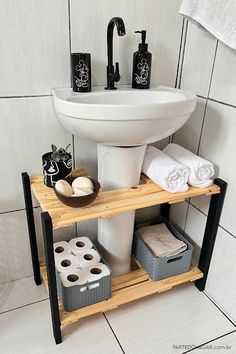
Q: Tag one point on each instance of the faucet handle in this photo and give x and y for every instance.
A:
(117, 72)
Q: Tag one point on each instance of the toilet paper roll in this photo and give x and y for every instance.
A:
(87, 257)
(74, 277)
(96, 271)
(79, 244)
(61, 248)
(66, 262)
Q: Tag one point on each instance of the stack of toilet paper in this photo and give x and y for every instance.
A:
(78, 263)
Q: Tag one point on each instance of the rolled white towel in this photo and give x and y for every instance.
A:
(165, 171)
(201, 170)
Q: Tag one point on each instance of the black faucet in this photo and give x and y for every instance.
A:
(113, 74)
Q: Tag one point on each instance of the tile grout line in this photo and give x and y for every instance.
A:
(210, 341)
(178, 85)
(180, 54)
(179, 64)
(20, 307)
(200, 96)
(208, 93)
(70, 45)
(217, 306)
(228, 232)
(114, 333)
(11, 211)
(16, 210)
(26, 96)
(221, 102)
(183, 55)
(217, 101)
(70, 50)
(223, 228)
(11, 281)
(69, 30)
(186, 216)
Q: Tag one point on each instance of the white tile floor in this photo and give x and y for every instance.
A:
(173, 322)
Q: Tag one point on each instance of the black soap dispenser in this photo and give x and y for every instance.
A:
(142, 61)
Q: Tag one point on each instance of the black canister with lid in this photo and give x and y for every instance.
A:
(81, 72)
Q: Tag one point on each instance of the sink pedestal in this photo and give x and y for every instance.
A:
(118, 167)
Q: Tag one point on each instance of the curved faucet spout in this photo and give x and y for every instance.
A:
(113, 74)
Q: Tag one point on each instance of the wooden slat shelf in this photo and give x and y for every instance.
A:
(126, 288)
(111, 202)
(131, 286)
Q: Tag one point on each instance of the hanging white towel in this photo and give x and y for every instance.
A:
(165, 171)
(217, 16)
(201, 170)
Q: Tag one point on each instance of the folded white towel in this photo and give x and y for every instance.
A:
(217, 16)
(160, 241)
(201, 170)
(165, 171)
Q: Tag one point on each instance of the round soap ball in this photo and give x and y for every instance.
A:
(64, 187)
(81, 192)
(82, 183)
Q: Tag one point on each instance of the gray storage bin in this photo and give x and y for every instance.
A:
(73, 298)
(160, 268)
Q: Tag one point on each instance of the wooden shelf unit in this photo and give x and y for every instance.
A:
(131, 286)
(111, 202)
(126, 288)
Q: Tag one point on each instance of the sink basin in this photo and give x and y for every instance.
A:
(122, 122)
(124, 117)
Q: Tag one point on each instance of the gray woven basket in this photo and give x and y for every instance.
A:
(161, 268)
(73, 298)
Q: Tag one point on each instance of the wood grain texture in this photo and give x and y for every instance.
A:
(109, 203)
(127, 288)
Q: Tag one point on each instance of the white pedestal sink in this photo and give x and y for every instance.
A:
(122, 122)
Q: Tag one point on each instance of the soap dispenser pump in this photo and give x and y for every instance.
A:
(142, 61)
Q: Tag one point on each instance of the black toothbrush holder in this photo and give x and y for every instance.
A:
(81, 72)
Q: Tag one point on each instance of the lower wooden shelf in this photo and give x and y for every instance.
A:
(126, 288)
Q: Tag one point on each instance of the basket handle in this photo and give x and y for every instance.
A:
(174, 259)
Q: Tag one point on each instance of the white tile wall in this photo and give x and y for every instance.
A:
(163, 36)
(221, 279)
(188, 136)
(218, 145)
(178, 214)
(86, 155)
(15, 261)
(223, 86)
(198, 60)
(34, 46)
(29, 128)
(62, 234)
(195, 226)
(15, 258)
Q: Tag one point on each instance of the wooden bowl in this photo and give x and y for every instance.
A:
(78, 202)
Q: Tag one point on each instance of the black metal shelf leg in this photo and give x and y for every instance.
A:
(31, 227)
(52, 286)
(165, 211)
(213, 219)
